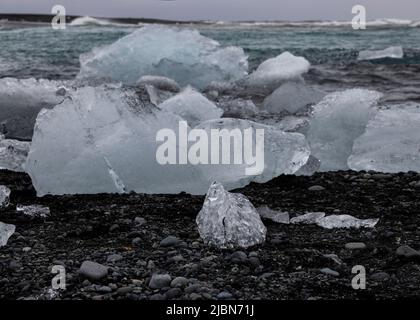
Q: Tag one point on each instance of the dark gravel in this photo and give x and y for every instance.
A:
(138, 237)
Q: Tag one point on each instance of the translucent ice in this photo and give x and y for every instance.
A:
(21, 100)
(191, 106)
(238, 108)
(274, 215)
(13, 154)
(6, 231)
(308, 218)
(284, 153)
(180, 54)
(229, 220)
(33, 211)
(336, 122)
(273, 72)
(292, 97)
(391, 52)
(345, 221)
(4, 196)
(391, 142)
(311, 166)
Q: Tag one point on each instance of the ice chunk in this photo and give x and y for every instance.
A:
(391, 52)
(104, 140)
(157, 96)
(180, 54)
(273, 72)
(311, 166)
(13, 154)
(292, 97)
(308, 218)
(276, 216)
(33, 211)
(345, 221)
(336, 122)
(391, 142)
(6, 231)
(238, 108)
(229, 220)
(284, 153)
(161, 83)
(21, 101)
(191, 106)
(4, 196)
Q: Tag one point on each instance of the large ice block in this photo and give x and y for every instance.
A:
(6, 231)
(391, 142)
(180, 54)
(229, 220)
(336, 122)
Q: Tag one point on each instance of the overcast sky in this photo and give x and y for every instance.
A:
(222, 9)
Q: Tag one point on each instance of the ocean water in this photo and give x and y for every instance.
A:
(36, 50)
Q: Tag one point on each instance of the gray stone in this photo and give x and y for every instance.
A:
(316, 188)
(380, 277)
(407, 252)
(114, 258)
(179, 282)
(170, 241)
(93, 271)
(159, 281)
(224, 295)
(355, 246)
(238, 257)
(329, 272)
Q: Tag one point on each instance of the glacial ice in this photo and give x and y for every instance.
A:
(391, 52)
(4, 196)
(161, 83)
(238, 108)
(390, 143)
(310, 167)
(274, 215)
(308, 218)
(229, 220)
(13, 154)
(273, 72)
(336, 122)
(284, 153)
(6, 231)
(191, 106)
(21, 100)
(345, 221)
(292, 97)
(33, 211)
(180, 54)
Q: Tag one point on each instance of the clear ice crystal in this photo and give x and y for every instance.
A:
(33, 211)
(191, 106)
(13, 154)
(180, 54)
(274, 215)
(4, 196)
(229, 220)
(336, 122)
(391, 52)
(6, 231)
(345, 221)
(308, 218)
(390, 143)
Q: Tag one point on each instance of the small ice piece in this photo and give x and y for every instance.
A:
(273, 72)
(4, 196)
(34, 211)
(292, 97)
(274, 215)
(13, 154)
(391, 52)
(336, 122)
(238, 108)
(229, 220)
(345, 221)
(157, 96)
(161, 83)
(310, 167)
(180, 54)
(6, 231)
(22, 99)
(191, 106)
(308, 218)
(390, 143)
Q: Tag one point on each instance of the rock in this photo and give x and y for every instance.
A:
(380, 277)
(114, 258)
(329, 272)
(157, 296)
(179, 282)
(239, 257)
(355, 245)
(93, 271)
(406, 252)
(316, 188)
(6, 231)
(173, 293)
(139, 221)
(136, 242)
(4, 196)
(124, 290)
(159, 281)
(224, 295)
(169, 241)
